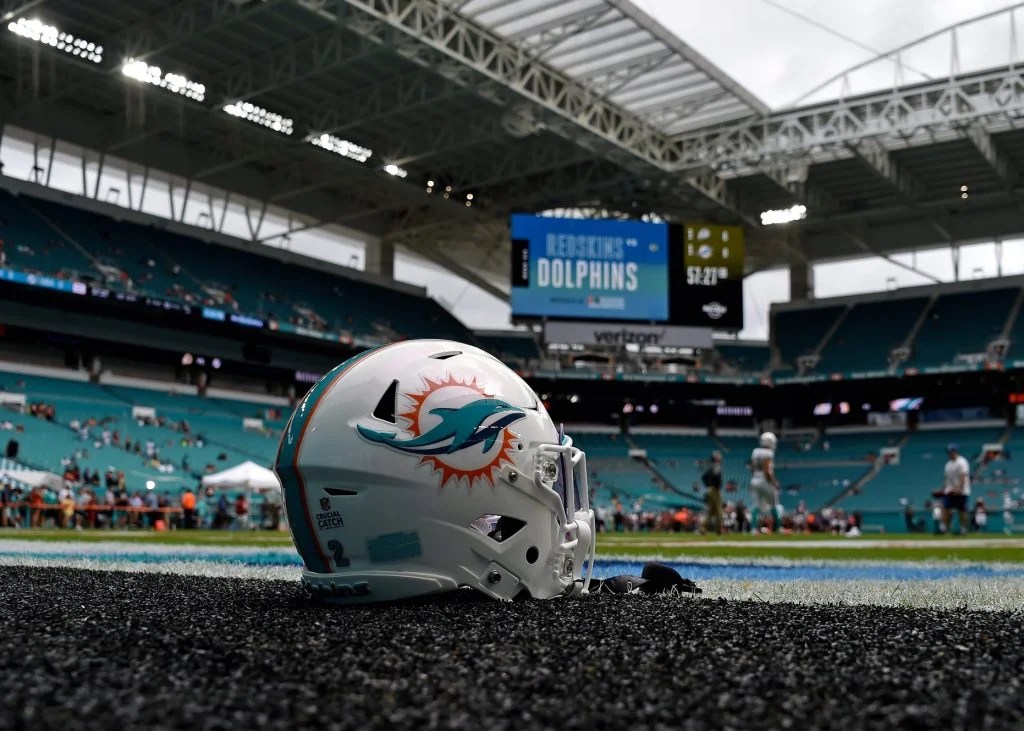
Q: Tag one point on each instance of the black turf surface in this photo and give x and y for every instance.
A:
(81, 649)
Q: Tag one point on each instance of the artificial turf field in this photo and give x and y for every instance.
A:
(176, 630)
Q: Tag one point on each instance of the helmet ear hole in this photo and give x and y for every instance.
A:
(386, 407)
(532, 554)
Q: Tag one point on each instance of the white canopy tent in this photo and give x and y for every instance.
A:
(34, 478)
(248, 475)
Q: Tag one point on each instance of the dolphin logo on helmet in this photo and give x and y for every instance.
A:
(460, 428)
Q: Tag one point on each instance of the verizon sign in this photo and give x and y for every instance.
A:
(618, 335)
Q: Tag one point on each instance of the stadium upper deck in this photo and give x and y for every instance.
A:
(523, 105)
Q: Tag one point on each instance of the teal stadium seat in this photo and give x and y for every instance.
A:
(1016, 350)
(960, 324)
(868, 333)
(798, 332)
(920, 471)
(43, 444)
(32, 246)
(131, 257)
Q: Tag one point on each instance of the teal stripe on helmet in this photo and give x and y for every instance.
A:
(287, 469)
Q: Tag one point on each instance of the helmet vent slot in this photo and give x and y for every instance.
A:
(498, 527)
(339, 492)
(385, 410)
(446, 354)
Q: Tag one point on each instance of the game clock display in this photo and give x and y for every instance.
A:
(712, 276)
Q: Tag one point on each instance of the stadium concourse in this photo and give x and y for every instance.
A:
(205, 207)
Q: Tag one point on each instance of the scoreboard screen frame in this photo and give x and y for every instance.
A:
(700, 293)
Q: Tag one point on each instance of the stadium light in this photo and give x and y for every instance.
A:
(175, 83)
(785, 215)
(258, 115)
(342, 147)
(36, 30)
(398, 172)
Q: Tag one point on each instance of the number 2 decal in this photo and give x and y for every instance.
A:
(339, 553)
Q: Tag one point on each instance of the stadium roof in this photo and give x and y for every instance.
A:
(344, 110)
(623, 55)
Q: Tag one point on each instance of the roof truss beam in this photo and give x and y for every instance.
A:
(879, 161)
(792, 178)
(906, 116)
(997, 161)
(715, 188)
(501, 61)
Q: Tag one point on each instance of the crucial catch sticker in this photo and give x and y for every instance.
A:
(328, 518)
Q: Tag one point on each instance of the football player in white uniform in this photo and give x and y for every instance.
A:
(1009, 505)
(764, 486)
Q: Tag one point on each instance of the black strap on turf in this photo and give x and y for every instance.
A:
(657, 578)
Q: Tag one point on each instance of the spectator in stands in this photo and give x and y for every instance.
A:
(152, 514)
(35, 504)
(800, 517)
(8, 513)
(188, 509)
(12, 448)
(937, 525)
(164, 513)
(242, 511)
(712, 479)
(742, 518)
(222, 516)
(913, 526)
(121, 514)
(956, 489)
(620, 517)
(135, 503)
(979, 519)
(67, 509)
(85, 512)
(1009, 504)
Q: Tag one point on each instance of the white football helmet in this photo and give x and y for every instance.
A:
(428, 465)
(769, 441)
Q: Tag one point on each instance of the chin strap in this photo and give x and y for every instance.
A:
(657, 578)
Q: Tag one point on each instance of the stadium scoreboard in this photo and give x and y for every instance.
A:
(713, 259)
(627, 271)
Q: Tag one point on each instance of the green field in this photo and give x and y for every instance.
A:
(891, 547)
